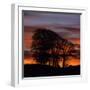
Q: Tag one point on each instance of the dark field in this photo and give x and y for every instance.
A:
(36, 70)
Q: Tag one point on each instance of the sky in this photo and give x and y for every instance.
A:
(32, 18)
(67, 25)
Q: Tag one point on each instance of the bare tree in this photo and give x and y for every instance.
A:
(67, 47)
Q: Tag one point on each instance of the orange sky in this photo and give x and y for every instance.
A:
(75, 40)
(27, 40)
(73, 62)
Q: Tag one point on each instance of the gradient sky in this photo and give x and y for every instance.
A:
(67, 25)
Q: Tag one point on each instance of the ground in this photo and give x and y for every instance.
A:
(36, 70)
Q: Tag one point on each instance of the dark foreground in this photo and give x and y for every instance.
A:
(37, 70)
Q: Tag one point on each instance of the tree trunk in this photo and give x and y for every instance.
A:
(64, 59)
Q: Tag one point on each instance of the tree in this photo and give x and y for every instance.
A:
(68, 50)
(49, 47)
(44, 46)
(67, 47)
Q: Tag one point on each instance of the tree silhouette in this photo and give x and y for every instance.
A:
(69, 50)
(44, 47)
(49, 47)
(67, 47)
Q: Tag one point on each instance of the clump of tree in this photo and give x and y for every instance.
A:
(49, 47)
(44, 46)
